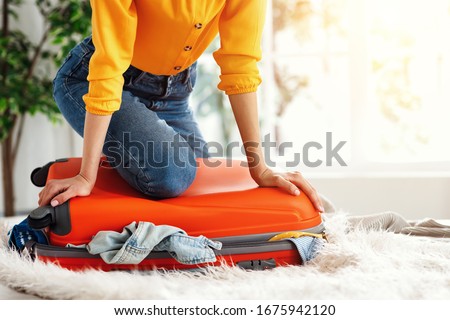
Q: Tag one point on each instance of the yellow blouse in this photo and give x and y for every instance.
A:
(165, 37)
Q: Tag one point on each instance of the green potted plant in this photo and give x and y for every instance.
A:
(25, 80)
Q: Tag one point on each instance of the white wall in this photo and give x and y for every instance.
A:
(413, 197)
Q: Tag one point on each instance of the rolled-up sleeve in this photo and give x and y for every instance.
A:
(114, 24)
(240, 26)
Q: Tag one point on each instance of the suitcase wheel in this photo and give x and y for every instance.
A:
(58, 218)
(39, 175)
(37, 178)
(40, 223)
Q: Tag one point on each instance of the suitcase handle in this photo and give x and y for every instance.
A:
(40, 174)
(257, 264)
(58, 218)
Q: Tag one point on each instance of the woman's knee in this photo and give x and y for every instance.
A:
(163, 182)
(172, 181)
(155, 180)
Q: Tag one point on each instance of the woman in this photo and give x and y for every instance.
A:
(126, 90)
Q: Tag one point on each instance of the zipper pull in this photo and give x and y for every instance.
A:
(297, 234)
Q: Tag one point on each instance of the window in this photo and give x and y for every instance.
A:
(374, 73)
(307, 56)
(409, 80)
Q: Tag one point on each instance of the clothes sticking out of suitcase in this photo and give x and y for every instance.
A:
(257, 228)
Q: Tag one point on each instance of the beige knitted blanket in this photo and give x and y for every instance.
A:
(394, 222)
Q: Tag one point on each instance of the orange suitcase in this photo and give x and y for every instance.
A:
(223, 203)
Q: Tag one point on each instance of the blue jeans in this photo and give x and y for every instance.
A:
(153, 140)
(137, 240)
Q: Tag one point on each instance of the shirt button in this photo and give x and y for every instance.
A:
(177, 68)
(198, 26)
(187, 48)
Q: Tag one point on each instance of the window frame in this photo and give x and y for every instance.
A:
(358, 54)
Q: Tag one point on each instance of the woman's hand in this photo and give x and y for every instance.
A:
(291, 182)
(58, 191)
(246, 113)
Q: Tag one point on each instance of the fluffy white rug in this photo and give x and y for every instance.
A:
(354, 265)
